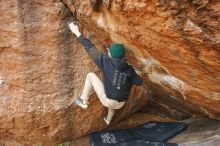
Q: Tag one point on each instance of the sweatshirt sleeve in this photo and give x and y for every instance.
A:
(136, 79)
(93, 52)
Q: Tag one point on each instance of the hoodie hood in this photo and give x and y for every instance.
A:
(120, 64)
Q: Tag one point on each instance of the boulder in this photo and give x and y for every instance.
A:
(42, 70)
(174, 45)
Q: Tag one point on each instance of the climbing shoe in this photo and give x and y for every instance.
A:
(79, 102)
(106, 121)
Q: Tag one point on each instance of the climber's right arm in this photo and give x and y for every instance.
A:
(93, 52)
(136, 79)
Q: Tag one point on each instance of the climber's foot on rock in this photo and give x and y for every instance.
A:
(80, 103)
(106, 121)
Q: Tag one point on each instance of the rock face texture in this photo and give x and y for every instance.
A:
(42, 69)
(175, 45)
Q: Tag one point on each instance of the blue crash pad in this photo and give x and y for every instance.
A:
(142, 142)
(148, 134)
(109, 138)
(158, 131)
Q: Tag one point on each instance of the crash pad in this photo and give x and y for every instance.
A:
(121, 138)
(147, 134)
(158, 131)
(143, 142)
(109, 138)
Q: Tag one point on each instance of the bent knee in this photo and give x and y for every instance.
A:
(91, 74)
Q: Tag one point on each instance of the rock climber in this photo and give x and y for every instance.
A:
(118, 76)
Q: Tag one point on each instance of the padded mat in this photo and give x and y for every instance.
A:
(158, 131)
(142, 142)
(110, 138)
(149, 134)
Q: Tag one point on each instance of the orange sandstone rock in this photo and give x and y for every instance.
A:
(173, 44)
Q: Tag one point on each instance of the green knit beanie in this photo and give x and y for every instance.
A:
(117, 51)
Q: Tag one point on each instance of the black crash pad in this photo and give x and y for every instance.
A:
(158, 131)
(110, 137)
(146, 134)
(121, 138)
(142, 142)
